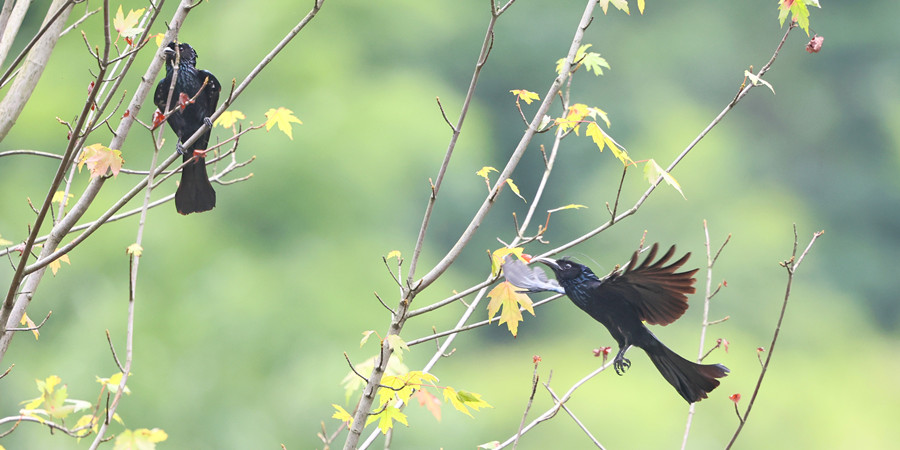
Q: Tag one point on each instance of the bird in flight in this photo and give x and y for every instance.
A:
(650, 292)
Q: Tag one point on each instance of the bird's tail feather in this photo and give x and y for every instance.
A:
(195, 193)
(693, 381)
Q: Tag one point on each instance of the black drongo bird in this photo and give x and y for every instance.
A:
(653, 293)
(195, 193)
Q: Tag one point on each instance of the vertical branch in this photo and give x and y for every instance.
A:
(486, 46)
(791, 265)
(710, 262)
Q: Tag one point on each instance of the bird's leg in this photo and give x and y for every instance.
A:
(621, 363)
(208, 122)
(179, 148)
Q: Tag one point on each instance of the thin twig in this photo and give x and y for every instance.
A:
(791, 266)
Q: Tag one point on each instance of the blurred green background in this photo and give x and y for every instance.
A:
(243, 313)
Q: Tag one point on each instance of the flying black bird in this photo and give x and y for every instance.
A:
(652, 293)
(195, 193)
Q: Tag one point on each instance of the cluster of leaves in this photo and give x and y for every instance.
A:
(400, 385)
(798, 11)
(53, 404)
(579, 114)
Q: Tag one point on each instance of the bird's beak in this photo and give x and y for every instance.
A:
(549, 262)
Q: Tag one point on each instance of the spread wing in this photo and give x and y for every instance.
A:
(532, 279)
(655, 290)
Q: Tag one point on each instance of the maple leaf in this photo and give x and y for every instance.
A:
(342, 414)
(622, 5)
(485, 171)
(387, 417)
(515, 189)
(464, 400)
(352, 382)
(283, 117)
(798, 10)
(430, 402)
(56, 264)
(526, 96)
(134, 249)
(142, 439)
(101, 159)
(641, 6)
(228, 118)
(397, 345)
(652, 171)
(112, 383)
(86, 423)
(59, 197)
(506, 295)
(590, 60)
(574, 116)
(498, 255)
(30, 324)
(125, 25)
(393, 254)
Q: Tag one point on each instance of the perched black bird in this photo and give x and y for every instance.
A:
(652, 293)
(195, 193)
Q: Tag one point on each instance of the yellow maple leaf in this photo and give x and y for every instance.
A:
(497, 257)
(141, 438)
(283, 117)
(393, 254)
(228, 118)
(125, 25)
(57, 263)
(507, 297)
(526, 96)
(62, 198)
(101, 159)
(387, 417)
(464, 400)
(342, 414)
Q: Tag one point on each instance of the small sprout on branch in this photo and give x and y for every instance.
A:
(602, 351)
(134, 249)
(756, 80)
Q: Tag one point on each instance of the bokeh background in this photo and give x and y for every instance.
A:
(243, 313)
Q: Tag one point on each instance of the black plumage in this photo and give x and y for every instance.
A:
(651, 292)
(194, 193)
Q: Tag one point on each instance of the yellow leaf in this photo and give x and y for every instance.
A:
(387, 417)
(652, 171)
(507, 297)
(125, 25)
(57, 263)
(526, 96)
(101, 159)
(228, 118)
(569, 206)
(30, 324)
(515, 189)
(393, 254)
(283, 117)
(60, 197)
(134, 249)
(142, 439)
(485, 171)
(342, 414)
(463, 400)
(641, 6)
(499, 254)
(596, 134)
(159, 38)
(4, 241)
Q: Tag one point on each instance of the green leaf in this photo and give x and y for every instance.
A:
(590, 60)
(652, 171)
(365, 337)
(397, 345)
